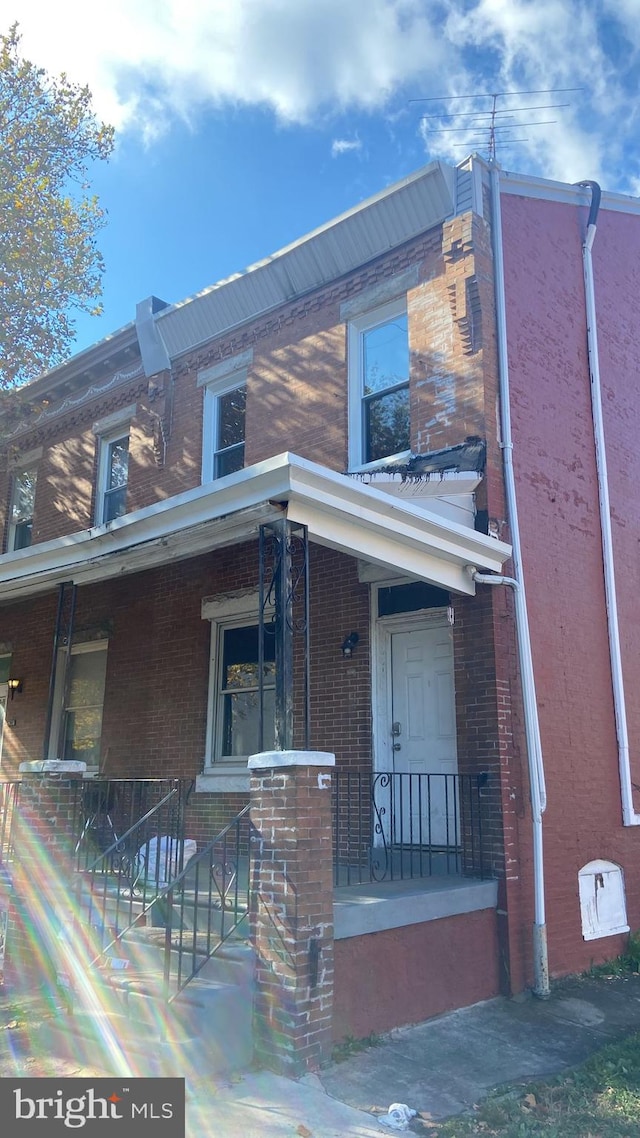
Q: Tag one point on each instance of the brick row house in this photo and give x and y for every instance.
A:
(399, 405)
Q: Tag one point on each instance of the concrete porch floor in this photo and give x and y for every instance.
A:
(373, 907)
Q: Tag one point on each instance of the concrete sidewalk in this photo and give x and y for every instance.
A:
(444, 1066)
(262, 1105)
(441, 1067)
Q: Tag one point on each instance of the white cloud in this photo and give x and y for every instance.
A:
(147, 61)
(545, 46)
(293, 56)
(344, 146)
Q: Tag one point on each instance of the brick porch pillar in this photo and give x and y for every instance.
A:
(292, 908)
(42, 870)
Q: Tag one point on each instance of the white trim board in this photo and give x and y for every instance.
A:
(340, 513)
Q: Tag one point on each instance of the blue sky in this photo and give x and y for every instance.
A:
(243, 124)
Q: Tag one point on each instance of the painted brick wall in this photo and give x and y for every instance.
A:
(557, 495)
(381, 981)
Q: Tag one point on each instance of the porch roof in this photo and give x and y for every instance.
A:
(348, 516)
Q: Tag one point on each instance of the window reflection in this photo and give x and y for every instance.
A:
(239, 692)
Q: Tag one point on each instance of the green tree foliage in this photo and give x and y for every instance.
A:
(49, 260)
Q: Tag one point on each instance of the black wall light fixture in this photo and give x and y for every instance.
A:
(349, 644)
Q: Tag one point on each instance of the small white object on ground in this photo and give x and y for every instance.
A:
(398, 1116)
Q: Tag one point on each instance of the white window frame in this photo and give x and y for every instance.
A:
(60, 687)
(355, 363)
(13, 527)
(213, 391)
(231, 611)
(104, 467)
(108, 430)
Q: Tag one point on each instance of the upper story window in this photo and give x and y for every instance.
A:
(379, 425)
(113, 464)
(23, 496)
(225, 402)
(113, 474)
(224, 427)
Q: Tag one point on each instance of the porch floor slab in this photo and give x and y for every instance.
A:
(374, 907)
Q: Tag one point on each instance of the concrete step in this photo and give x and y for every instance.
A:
(110, 908)
(206, 1029)
(234, 963)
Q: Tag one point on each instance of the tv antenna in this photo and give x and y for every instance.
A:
(494, 122)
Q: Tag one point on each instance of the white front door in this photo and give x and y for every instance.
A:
(422, 735)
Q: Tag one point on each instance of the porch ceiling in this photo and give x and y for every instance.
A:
(345, 515)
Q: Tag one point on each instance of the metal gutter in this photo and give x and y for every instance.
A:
(629, 815)
(532, 725)
(530, 186)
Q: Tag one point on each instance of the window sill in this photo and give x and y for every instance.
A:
(223, 780)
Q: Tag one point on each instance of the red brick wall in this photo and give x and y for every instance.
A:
(65, 492)
(42, 830)
(154, 721)
(297, 388)
(155, 712)
(558, 505)
(402, 976)
(292, 916)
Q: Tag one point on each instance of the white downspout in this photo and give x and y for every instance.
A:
(532, 726)
(629, 816)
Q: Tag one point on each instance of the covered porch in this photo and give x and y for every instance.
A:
(144, 902)
(341, 576)
(344, 587)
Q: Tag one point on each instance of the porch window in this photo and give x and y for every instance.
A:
(21, 510)
(113, 475)
(79, 700)
(238, 700)
(224, 427)
(379, 426)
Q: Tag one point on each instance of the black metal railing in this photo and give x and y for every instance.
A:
(114, 818)
(390, 826)
(128, 837)
(197, 909)
(206, 904)
(134, 866)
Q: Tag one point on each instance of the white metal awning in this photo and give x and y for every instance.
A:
(339, 512)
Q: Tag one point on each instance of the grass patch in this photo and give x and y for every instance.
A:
(600, 1099)
(624, 965)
